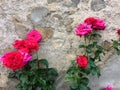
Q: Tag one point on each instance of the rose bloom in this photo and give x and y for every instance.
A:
(26, 45)
(34, 35)
(83, 29)
(109, 88)
(82, 61)
(118, 31)
(13, 60)
(96, 23)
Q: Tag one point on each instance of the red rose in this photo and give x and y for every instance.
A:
(118, 31)
(13, 60)
(82, 61)
(26, 45)
(96, 23)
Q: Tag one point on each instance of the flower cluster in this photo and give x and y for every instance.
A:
(89, 25)
(19, 58)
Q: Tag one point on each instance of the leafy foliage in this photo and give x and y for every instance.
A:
(116, 47)
(35, 76)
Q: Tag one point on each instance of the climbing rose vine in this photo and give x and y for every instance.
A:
(85, 64)
(33, 74)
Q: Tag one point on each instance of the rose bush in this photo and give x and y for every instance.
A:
(84, 65)
(24, 68)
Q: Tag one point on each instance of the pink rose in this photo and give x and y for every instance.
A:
(109, 88)
(34, 35)
(27, 56)
(96, 23)
(83, 29)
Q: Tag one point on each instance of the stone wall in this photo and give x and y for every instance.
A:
(56, 20)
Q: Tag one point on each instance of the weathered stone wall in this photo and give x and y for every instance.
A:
(56, 20)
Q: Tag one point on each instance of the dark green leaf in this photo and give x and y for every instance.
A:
(118, 52)
(23, 78)
(82, 46)
(88, 50)
(99, 48)
(33, 64)
(45, 62)
(115, 44)
(96, 35)
(41, 81)
(84, 81)
(52, 71)
(29, 87)
(83, 87)
(96, 71)
(74, 86)
(38, 88)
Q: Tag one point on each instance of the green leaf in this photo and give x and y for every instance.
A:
(29, 87)
(118, 52)
(70, 78)
(82, 46)
(38, 88)
(70, 69)
(99, 48)
(33, 64)
(84, 81)
(19, 87)
(74, 86)
(23, 78)
(89, 48)
(83, 87)
(45, 62)
(96, 71)
(86, 70)
(41, 81)
(96, 35)
(115, 44)
(52, 71)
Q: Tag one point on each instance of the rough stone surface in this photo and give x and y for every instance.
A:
(51, 1)
(97, 5)
(110, 75)
(38, 16)
(76, 2)
(3, 80)
(56, 20)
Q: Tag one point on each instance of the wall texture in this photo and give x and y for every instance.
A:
(56, 20)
